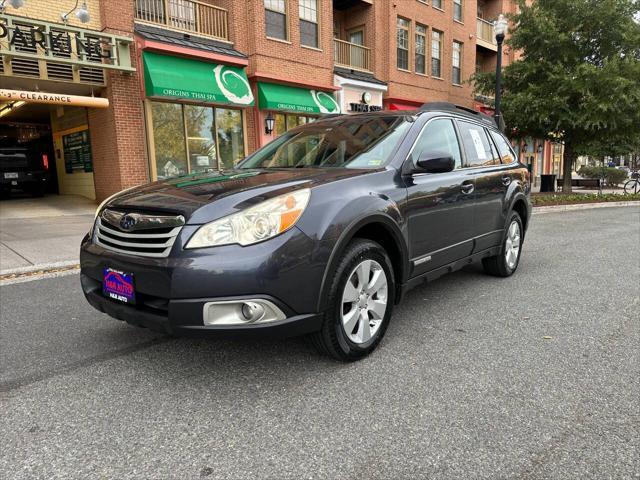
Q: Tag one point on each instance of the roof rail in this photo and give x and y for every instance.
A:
(447, 106)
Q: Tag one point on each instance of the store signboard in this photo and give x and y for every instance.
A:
(273, 96)
(77, 152)
(28, 38)
(184, 78)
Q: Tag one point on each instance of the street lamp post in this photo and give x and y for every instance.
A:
(500, 30)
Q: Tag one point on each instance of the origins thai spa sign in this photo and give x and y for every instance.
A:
(166, 76)
(273, 96)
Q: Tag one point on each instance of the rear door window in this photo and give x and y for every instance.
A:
(506, 153)
(476, 144)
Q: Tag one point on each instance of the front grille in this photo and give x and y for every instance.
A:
(150, 235)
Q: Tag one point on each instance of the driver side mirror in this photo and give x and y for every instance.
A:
(435, 162)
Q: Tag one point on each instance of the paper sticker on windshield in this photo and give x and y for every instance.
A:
(477, 142)
(374, 162)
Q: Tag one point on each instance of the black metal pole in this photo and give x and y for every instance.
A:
(498, 114)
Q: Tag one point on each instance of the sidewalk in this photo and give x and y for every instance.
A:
(42, 233)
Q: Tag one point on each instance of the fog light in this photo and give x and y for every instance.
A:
(241, 312)
(252, 311)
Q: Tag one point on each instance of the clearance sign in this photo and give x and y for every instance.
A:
(52, 98)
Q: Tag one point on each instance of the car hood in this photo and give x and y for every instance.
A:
(203, 197)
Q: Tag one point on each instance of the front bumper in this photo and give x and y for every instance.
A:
(171, 292)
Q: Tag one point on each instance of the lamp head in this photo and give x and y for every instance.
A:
(500, 26)
(269, 123)
(82, 13)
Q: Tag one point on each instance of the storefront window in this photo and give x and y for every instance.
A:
(281, 123)
(230, 137)
(292, 121)
(168, 139)
(199, 150)
(200, 141)
(288, 121)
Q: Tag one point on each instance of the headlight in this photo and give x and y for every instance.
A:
(263, 221)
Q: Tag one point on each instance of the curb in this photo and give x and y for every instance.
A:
(39, 268)
(582, 206)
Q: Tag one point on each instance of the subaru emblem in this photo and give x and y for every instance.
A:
(127, 222)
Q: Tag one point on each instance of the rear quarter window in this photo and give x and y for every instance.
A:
(504, 149)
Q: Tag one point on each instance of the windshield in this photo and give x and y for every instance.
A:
(348, 142)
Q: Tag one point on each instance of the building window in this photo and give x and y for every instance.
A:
(437, 3)
(275, 18)
(421, 48)
(309, 23)
(457, 10)
(456, 74)
(193, 138)
(436, 54)
(403, 43)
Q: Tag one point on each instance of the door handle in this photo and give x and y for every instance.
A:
(506, 180)
(467, 188)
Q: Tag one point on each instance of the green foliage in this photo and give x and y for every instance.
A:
(544, 199)
(612, 176)
(579, 75)
(615, 176)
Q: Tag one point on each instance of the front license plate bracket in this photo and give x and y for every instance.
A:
(118, 286)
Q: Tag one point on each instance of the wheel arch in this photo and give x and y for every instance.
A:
(519, 206)
(380, 229)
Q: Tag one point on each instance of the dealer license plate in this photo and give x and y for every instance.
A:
(118, 286)
(11, 175)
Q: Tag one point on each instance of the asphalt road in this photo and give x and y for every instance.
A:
(536, 376)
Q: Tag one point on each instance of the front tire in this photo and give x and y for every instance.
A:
(632, 187)
(506, 262)
(360, 303)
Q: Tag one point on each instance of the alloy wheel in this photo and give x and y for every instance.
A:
(512, 246)
(364, 301)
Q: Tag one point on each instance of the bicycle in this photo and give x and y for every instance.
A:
(633, 186)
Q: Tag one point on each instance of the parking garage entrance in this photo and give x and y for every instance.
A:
(45, 149)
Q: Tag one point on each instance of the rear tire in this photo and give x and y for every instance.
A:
(506, 262)
(360, 303)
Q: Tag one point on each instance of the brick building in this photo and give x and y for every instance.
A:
(156, 88)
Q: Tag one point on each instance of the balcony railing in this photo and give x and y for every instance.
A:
(485, 31)
(185, 15)
(351, 55)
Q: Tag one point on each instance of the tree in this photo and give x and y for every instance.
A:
(578, 77)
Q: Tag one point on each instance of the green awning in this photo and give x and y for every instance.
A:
(187, 79)
(272, 96)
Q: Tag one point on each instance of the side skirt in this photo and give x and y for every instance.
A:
(449, 268)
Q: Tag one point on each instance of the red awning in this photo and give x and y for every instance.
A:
(401, 106)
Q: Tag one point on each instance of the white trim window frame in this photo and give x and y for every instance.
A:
(456, 63)
(421, 44)
(275, 19)
(458, 14)
(403, 27)
(308, 12)
(436, 53)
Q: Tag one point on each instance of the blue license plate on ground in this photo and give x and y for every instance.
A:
(118, 286)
